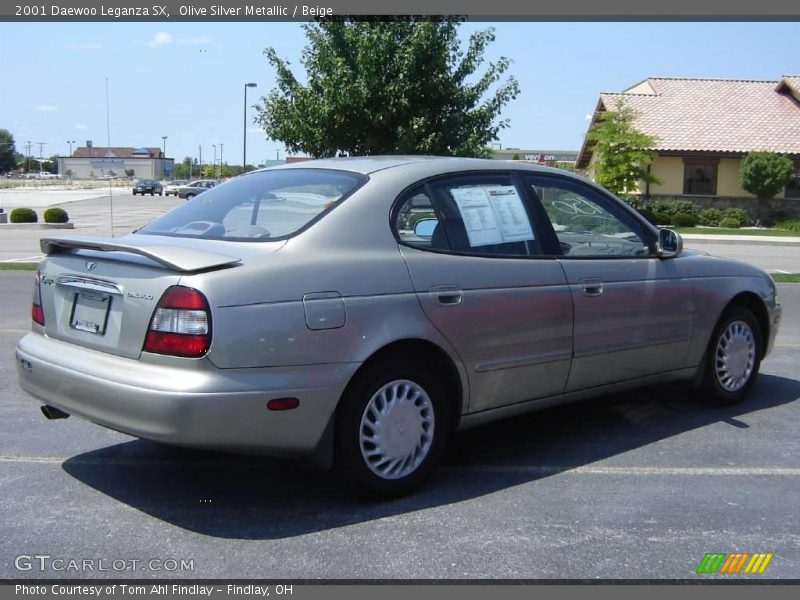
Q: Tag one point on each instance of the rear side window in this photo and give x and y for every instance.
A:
(266, 205)
(470, 214)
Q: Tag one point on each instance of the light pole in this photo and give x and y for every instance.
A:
(244, 128)
(70, 142)
(220, 159)
(164, 155)
(214, 164)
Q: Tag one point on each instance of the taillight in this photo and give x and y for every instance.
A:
(181, 324)
(37, 314)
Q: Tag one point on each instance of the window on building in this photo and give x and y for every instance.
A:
(793, 188)
(700, 177)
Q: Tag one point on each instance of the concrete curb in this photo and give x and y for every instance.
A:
(37, 226)
(742, 240)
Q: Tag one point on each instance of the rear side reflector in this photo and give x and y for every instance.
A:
(37, 314)
(181, 324)
(283, 403)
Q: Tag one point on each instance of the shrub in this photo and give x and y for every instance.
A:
(764, 174)
(684, 220)
(710, 217)
(673, 207)
(788, 224)
(729, 223)
(739, 215)
(662, 218)
(55, 215)
(23, 215)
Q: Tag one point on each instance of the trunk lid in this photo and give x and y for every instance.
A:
(100, 293)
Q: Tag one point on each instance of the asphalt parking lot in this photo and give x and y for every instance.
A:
(639, 485)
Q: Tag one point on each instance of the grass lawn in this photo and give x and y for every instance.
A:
(18, 266)
(721, 231)
(786, 277)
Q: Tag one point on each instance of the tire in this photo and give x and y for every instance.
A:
(396, 407)
(733, 358)
(189, 196)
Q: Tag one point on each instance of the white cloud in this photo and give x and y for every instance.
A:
(81, 126)
(200, 39)
(159, 39)
(91, 47)
(46, 108)
(589, 116)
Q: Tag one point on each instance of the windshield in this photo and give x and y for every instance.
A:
(265, 205)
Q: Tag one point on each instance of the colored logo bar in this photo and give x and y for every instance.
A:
(734, 563)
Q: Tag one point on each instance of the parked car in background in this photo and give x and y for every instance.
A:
(357, 311)
(148, 186)
(172, 188)
(190, 190)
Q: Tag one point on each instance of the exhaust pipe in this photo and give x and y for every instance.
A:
(52, 413)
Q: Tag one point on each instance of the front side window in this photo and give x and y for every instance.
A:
(700, 177)
(470, 214)
(586, 223)
(265, 205)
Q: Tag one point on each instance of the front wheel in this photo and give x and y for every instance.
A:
(733, 358)
(391, 428)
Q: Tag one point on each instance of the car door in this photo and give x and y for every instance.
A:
(482, 274)
(633, 310)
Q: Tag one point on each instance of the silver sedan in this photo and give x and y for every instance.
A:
(357, 311)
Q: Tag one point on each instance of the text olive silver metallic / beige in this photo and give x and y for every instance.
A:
(357, 311)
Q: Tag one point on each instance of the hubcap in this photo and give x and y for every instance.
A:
(734, 357)
(396, 430)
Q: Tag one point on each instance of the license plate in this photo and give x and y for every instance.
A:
(90, 312)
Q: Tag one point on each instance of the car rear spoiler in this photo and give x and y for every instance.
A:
(174, 257)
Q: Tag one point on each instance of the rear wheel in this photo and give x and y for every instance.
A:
(391, 428)
(733, 358)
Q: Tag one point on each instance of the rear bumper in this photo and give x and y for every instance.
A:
(193, 405)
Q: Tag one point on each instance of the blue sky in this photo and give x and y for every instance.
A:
(185, 80)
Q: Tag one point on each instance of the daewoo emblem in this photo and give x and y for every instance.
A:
(90, 266)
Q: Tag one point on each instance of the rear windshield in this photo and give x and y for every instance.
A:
(265, 205)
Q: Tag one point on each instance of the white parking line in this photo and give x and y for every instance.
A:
(523, 469)
(37, 258)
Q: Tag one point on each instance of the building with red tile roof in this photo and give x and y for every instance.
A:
(704, 127)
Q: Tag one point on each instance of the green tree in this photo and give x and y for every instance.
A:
(8, 160)
(622, 152)
(765, 174)
(374, 87)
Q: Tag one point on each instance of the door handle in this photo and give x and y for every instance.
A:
(449, 298)
(591, 286)
(447, 295)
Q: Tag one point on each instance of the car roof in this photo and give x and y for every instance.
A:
(370, 164)
(367, 165)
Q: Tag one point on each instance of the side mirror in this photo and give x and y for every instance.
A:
(424, 228)
(670, 243)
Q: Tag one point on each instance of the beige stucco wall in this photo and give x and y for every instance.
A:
(669, 170)
(728, 178)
